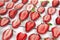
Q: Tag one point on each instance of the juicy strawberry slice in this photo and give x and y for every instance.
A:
(51, 10)
(19, 6)
(29, 25)
(10, 5)
(23, 15)
(47, 18)
(21, 36)
(16, 23)
(41, 9)
(24, 1)
(34, 15)
(7, 34)
(12, 13)
(58, 20)
(49, 39)
(34, 2)
(1, 3)
(56, 32)
(4, 21)
(14, 1)
(42, 28)
(34, 37)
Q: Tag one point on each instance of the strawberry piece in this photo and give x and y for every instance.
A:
(12, 13)
(3, 11)
(34, 2)
(42, 28)
(44, 3)
(4, 21)
(24, 1)
(55, 3)
(34, 15)
(10, 5)
(14, 1)
(56, 32)
(49, 38)
(47, 18)
(58, 20)
(34, 37)
(16, 23)
(21, 36)
(23, 15)
(41, 9)
(51, 10)
(29, 26)
(1, 3)
(18, 6)
(7, 34)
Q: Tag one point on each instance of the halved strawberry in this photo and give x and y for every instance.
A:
(34, 15)
(51, 10)
(23, 15)
(4, 21)
(24, 1)
(12, 13)
(56, 32)
(42, 28)
(15, 1)
(49, 38)
(10, 5)
(58, 20)
(29, 26)
(7, 34)
(21, 36)
(1, 3)
(47, 18)
(16, 23)
(34, 37)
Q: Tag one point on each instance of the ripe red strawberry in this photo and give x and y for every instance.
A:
(51, 10)
(47, 18)
(3, 11)
(4, 21)
(12, 13)
(21, 36)
(34, 37)
(7, 34)
(59, 12)
(16, 23)
(41, 9)
(24, 1)
(58, 20)
(56, 32)
(42, 28)
(15, 1)
(10, 5)
(29, 26)
(34, 15)
(23, 15)
(49, 38)
(1, 3)
(18, 6)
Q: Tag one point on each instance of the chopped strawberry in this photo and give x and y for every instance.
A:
(15, 1)
(21, 36)
(29, 25)
(24, 1)
(1, 3)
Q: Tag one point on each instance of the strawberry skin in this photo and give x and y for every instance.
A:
(24, 1)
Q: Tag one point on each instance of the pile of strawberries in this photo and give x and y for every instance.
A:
(33, 15)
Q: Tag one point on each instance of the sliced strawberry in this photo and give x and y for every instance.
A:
(56, 32)
(34, 37)
(58, 20)
(47, 18)
(51, 10)
(24, 1)
(49, 38)
(3, 11)
(34, 15)
(1, 3)
(12, 13)
(18, 6)
(34, 2)
(4, 21)
(16, 23)
(10, 5)
(7, 34)
(23, 15)
(21, 36)
(41, 9)
(44, 3)
(42, 28)
(29, 25)
(15, 1)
